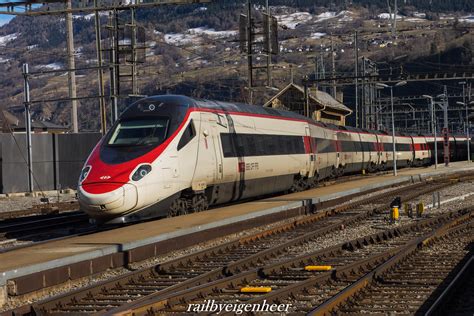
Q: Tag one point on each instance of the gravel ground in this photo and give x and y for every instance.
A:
(371, 226)
(454, 191)
(18, 203)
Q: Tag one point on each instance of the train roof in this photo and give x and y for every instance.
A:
(188, 102)
(226, 106)
(246, 108)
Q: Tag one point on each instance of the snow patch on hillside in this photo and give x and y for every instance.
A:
(420, 15)
(345, 16)
(467, 18)
(414, 20)
(211, 32)
(292, 20)
(317, 35)
(387, 16)
(52, 66)
(325, 15)
(8, 38)
(89, 17)
(194, 35)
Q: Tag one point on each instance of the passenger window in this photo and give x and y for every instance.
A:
(188, 134)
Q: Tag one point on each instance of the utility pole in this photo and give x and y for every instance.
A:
(98, 38)
(356, 74)
(71, 66)
(334, 90)
(316, 71)
(26, 93)
(249, 50)
(379, 108)
(259, 41)
(269, 49)
(393, 17)
(433, 127)
(363, 118)
(306, 97)
(446, 127)
(466, 104)
(114, 63)
(134, 52)
(322, 66)
(394, 30)
(467, 122)
(394, 145)
(394, 149)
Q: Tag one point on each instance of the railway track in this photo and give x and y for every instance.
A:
(457, 298)
(298, 283)
(39, 228)
(226, 259)
(41, 210)
(45, 222)
(411, 281)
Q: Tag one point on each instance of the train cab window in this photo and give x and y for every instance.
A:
(139, 132)
(188, 134)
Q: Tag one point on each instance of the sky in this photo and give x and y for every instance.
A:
(4, 19)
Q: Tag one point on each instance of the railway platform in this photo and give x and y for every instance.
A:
(39, 266)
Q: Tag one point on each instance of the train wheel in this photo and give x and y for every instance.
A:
(371, 168)
(199, 203)
(178, 207)
(313, 181)
(299, 184)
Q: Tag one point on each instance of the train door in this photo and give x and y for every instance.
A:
(378, 150)
(363, 157)
(218, 152)
(226, 186)
(226, 161)
(321, 153)
(337, 148)
(207, 170)
(312, 152)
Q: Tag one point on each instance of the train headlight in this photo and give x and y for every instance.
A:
(84, 173)
(141, 172)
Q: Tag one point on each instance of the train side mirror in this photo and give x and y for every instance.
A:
(205, 133)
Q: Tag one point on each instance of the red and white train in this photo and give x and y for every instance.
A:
(170, 155)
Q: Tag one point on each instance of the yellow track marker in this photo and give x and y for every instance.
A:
(318, 268)
(255, 289)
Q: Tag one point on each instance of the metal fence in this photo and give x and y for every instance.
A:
(57, 160)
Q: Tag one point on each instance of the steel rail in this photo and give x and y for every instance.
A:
(331, 305)
(223, 249)
(39, 210)
(443, 299)
(152, 305)
(62, 300)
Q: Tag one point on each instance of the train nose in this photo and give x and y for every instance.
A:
(120, 200)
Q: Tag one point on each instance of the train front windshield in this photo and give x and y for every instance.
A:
(140, 132)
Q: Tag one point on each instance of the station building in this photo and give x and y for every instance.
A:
(322, 106)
